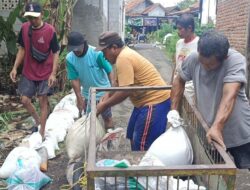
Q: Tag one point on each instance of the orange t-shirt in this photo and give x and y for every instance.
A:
(135, 70)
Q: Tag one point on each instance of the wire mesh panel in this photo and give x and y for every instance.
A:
(212, 168)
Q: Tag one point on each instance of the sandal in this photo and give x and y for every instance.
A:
(34, 128)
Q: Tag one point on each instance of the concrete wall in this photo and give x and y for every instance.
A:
(233, 20)
(92, 17)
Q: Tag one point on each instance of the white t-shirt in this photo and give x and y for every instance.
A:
(185, 49)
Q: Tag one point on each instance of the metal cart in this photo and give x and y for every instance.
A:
(212, 168)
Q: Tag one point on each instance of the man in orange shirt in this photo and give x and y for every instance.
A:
(148, 120)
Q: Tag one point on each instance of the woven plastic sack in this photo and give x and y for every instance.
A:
(77, 140)
(27, 178)
(173, 147)
(29, 156)
(164, 182)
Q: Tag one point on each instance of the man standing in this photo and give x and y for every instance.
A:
(186, 45)
(188, 42)
(219, 77)
(39, 51)
(88, 68)
(148, 119)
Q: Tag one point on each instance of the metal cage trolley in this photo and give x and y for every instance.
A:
(212, 167)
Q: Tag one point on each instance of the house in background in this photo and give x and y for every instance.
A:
(144, 16)
(193, 9)
(172, 9)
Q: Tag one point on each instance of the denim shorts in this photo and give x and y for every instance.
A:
(146, 124)
(241, 155)
(31, 88)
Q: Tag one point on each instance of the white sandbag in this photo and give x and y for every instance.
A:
(33, 141)
(20, 187)
(29, 156)
(77, 140)
(51, 145)
(57, 132)
(68, 103)
(58, 123)
(113, 182)
(59, 118)
(186, 185)
(28, 178)
(151, 182)
(173, 147)
(164, 181)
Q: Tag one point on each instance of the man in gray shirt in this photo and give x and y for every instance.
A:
(219, 77)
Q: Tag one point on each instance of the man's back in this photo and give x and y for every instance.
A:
(133, 69)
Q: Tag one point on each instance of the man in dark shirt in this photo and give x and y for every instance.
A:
(38, 77)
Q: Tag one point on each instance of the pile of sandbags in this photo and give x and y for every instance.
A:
(24, 163)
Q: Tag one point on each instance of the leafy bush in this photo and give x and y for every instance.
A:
(4, 119)
(185, 4)
(200, 29)
(159, 34)
(7, 34)
(170, 45)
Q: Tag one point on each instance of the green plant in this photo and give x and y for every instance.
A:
(7, 33)
(4, 119)
(159, 34)
(170, 45)
(63, 83)
(185, 4)
(200, 29)
(128, 29)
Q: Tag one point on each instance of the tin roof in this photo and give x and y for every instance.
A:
(152, 7)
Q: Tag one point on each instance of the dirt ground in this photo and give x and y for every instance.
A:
(121, 113)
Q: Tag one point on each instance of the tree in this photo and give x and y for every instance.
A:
(7, 34)
(186, 4)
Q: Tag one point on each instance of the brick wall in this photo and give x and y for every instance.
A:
(232, 20)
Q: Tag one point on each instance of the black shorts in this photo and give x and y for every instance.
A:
(31, 88)
(241, 156)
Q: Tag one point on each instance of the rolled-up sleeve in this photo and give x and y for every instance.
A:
(236, 69)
